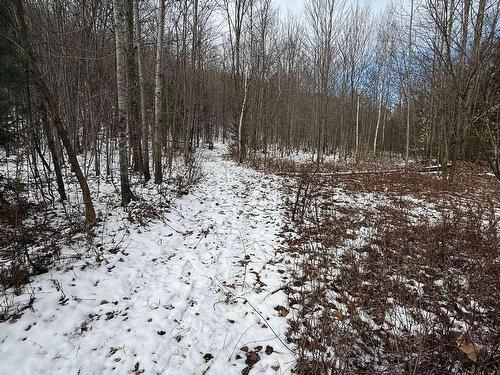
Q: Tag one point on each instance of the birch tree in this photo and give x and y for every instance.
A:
(158, 172)
(384, 49)
(236, 11)
(408, 79)
(119, 13)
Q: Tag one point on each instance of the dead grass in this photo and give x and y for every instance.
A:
(399, 285)
(470, 184)
(17, 262)
(285, 166)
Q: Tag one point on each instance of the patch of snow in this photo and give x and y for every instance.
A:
(181, 296)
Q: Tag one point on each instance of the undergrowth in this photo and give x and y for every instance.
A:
(33, 232)
(392, 285)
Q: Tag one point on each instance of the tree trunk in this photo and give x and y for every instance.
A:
(53, 109)
(119, 13)
(55, 159)
(134, 115)
(357, 131)
(157, 103)
(142, 91)
(240, 125)
(379, 115)
(408, 99)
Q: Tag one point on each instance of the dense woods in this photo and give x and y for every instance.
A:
(151, 80)
(379, 127)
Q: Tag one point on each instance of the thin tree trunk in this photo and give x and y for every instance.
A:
(408, 99)
(119, 12)
(240, 125)
(55, 159)
(384, 122)
(357, 131)
(157, 102)
(134, 114)
(378, 122)
(142, 91)
(54, 110)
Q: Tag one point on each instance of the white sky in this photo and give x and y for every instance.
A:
(297, 5)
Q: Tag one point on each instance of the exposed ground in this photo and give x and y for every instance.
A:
(395, 273)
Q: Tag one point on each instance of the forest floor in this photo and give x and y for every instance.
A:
(269, 272)
(394, 272)
(196, 291)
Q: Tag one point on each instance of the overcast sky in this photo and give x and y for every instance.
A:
(297, 5)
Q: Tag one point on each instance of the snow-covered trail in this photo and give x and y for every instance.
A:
(182, 297)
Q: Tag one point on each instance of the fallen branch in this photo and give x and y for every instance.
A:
(333, 174)
(434, 168)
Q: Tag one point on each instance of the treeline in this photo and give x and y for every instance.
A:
(139, 82)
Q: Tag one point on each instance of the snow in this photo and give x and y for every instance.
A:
(307, 156)
(182, 295)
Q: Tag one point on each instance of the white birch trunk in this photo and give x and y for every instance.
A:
(407, 153)
(121, 83)
(240, 125)
(157, 101)
(357, 131)
(379, 115)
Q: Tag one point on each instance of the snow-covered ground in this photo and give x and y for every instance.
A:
(183, 295)
(303, 156)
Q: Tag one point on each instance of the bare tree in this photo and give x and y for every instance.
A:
(321, 16)
(142, 90)
(158, 172)
(119, 12)
(384, 49)
(408, 75)
(27, 52)
(236, 10)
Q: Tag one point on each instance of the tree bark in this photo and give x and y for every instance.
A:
(158, 172)
(40, 83)
(357, 131)
(142, 91)
(408, 99)
(379, 115)
(55, 158)
(240, 124)
(134, 115)
(119, 13)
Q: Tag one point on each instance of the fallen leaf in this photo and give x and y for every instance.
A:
(468, 347)
(137, 369)
(338, 315)
(282, 311)
(252, 359)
